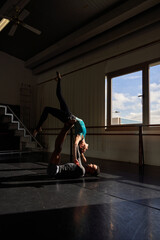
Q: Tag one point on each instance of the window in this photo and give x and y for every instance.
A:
(133, 96)
(154, 76)
(126, 99)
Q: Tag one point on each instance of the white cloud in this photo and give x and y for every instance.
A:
(125, 102)
(119, 100)
(154, 87)
(155, 116)
(131, 77)
(130, 107)
(134, 116)
(155, 93)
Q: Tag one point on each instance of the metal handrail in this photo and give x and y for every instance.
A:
(24, 126)
(129, 132)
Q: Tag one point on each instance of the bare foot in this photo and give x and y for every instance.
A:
(58, 75)
(36, 132)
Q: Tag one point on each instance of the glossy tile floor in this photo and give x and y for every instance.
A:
(120, 204)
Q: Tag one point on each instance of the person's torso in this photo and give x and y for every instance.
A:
(70, 170)
(80, 128)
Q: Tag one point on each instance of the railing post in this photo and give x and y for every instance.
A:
(71, 145)
(141, 153)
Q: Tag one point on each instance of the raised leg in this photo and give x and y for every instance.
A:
(54, 112)
(62, 102)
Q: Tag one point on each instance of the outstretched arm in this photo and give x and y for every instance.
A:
(77, 140)
(83, 158)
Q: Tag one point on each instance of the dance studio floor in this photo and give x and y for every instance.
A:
(120, 204)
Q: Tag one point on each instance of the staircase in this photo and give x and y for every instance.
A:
(14, 136)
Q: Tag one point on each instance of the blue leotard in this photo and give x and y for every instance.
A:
(80, 128)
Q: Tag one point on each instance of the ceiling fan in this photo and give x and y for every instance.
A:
(13, 11)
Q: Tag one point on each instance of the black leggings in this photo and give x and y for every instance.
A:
(63, 114)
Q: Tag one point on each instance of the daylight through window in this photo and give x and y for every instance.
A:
(133, 97)
(154, 76)
(127, 99)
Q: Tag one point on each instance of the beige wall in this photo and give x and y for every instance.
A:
(13, 74)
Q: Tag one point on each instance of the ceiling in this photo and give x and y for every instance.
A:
(64, 24)
(55, 18)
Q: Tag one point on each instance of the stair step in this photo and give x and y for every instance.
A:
(6, 118)
(31, 145)
(19, 133)
(25, 139)
(11, 152)
(12, 126)
(2, 111)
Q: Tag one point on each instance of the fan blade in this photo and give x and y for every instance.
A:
(22, 3)
(3, 23)
(23, 14)
(31, 28)
(9, 7)
(12, 30)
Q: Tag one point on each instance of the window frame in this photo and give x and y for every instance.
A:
(144, 67)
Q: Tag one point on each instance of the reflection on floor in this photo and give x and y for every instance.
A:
(120, 204)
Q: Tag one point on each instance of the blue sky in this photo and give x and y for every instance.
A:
(125, 100)
(155, 94)
(125, 92)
